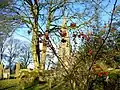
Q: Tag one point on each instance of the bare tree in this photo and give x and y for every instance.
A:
(9, 21)
(11, 52)
(25, 56)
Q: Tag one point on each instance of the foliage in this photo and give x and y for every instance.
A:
(28, 78)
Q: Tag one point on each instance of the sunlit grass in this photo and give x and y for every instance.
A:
(9, 83)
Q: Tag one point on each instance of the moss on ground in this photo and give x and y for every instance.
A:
(13, 84)
(7, 84)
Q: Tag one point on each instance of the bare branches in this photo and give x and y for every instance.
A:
(110, 26)
(29, 2)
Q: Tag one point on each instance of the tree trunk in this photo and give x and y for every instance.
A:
(1, 52)
(44, 47)
(35, 38)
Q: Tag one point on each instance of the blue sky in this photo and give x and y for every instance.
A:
(21, 33)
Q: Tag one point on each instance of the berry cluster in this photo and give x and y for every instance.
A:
(82, 35)
(63, 33)
(102, 74)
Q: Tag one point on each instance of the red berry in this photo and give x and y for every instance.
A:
(63, 34)
(73, 25)
(90, 52)
(100, 74)
(105, 73)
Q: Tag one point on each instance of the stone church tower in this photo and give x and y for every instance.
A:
(64, 47)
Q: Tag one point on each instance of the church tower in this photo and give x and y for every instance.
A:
(64, 47)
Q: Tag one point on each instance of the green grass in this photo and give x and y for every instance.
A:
(7, 84)
(13, 84)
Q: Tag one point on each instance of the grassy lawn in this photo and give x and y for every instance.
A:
(13, 84)
(9, 84)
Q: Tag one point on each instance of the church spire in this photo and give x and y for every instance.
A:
(64, 48)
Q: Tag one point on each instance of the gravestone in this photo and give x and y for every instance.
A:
(1, 71)
(17, 70)
(6, 73)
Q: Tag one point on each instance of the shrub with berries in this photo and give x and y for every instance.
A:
(81, 35)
